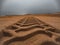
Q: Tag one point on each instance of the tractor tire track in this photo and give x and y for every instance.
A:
(29, 24)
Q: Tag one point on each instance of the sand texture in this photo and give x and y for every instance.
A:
(30, 30)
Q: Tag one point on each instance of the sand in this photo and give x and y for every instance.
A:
(30, 29)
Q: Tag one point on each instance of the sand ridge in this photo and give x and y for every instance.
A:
(28, 29)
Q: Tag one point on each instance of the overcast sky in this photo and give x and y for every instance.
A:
(9, 7)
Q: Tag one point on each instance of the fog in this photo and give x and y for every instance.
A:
(11, 7)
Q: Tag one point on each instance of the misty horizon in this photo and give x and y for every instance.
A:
(18, 7)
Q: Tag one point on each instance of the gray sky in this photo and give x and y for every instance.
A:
(9, 7)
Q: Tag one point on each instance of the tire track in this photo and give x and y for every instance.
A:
(28, 28)
(26, 25)
(23, 38)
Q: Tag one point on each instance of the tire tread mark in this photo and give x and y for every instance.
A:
(26, 37)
